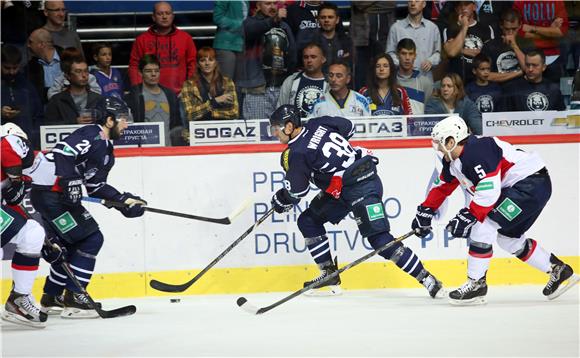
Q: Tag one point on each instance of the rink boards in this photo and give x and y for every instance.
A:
(274, 257)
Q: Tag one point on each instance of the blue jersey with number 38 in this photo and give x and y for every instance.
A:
(320, 151)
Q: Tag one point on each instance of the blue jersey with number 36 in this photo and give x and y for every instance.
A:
(320, 151)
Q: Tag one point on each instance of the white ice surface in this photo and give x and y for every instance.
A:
(517, 321)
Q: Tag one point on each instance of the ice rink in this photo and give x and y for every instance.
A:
(517, 321)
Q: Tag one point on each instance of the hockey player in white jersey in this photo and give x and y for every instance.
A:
(339, 100)
(17, 229)
(509, 189)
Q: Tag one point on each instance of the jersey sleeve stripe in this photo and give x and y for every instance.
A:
(438, 193)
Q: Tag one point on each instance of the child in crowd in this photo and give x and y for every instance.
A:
(481, 91)
(108, 78)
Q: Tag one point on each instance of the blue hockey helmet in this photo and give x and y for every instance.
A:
(284, 114)
(112, 107)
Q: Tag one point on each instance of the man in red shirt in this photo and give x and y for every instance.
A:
(173, 47)
(545, 22)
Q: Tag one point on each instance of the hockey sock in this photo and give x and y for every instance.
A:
(55, 282)
(24, 270)
(82, 261)
(319, 248)
(82, 266)
(534, 255)
(478, 260)
(402, 256)
(407, 261)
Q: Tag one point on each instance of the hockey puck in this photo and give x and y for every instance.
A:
(175, 300)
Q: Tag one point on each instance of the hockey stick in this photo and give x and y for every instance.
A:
(224, 221)
(166, 287)
(122, 311)
(118, 312)
(248, 307)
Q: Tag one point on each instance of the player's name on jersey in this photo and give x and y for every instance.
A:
(136, 135)
(532, 122)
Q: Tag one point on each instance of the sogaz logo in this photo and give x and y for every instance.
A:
(232, 132)
(379, 128)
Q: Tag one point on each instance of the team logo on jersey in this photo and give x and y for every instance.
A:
(5, 220)
(537, 101)
(509, 209)
(507, 62)
(484, 103)
(65, 222)
(472, 42)
(375, 211)
(306, 98)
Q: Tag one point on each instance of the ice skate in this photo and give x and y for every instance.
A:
(471, 293)
(330, 287)
(20, 309)
(76, 305)
(559, 274)
(51, 305)
(433, 285)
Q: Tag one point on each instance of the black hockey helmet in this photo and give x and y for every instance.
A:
(111, 107)
(284, 114)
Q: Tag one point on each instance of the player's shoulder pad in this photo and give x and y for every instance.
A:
(17, 144)
(484, 152)
(285, 159)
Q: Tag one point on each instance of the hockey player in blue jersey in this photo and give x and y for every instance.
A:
(319, 152)
(509, 189)
(84, 158)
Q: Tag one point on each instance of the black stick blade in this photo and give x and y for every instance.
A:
(118, 312)
(167, 287)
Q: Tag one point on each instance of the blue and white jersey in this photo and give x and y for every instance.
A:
(484, 167)
(111, 85)
(355, 105)
(320, 151)
(87, 154)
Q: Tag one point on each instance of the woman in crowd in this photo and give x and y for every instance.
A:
(385, 96)
(209, 95)
(451, 98)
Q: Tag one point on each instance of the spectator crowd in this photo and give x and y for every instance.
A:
(464, 57)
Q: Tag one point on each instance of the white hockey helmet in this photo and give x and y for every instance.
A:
(11, 128)
(452, 126)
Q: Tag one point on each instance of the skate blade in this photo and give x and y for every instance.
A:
(442, 293)
(75, 313)
(574, 279)
(471, 302)
(51, 311)
(324, 291)
(19, 320)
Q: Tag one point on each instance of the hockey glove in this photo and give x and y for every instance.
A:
(422, 222)
(72, 190)
(53, 251)
(135, 205)
(280, 202)
(14, 193)
(461, 224)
